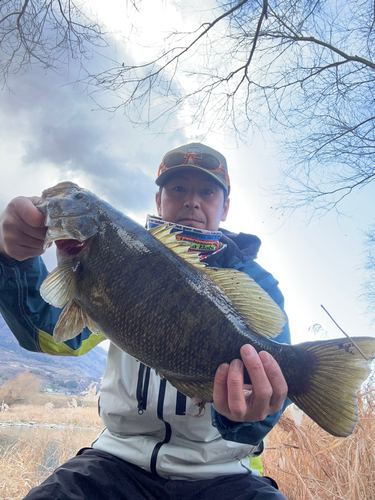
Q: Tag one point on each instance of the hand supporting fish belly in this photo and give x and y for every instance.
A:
(157, 302)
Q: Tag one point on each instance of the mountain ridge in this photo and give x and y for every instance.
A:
(64, 374)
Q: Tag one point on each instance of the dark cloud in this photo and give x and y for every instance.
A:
(54, 125)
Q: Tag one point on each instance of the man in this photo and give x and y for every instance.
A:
(152, 446)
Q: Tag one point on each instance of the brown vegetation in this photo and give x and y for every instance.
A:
(307, 463)
(23, 465)
(49, 415)
(23, 389)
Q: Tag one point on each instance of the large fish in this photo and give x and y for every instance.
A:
(157, 302)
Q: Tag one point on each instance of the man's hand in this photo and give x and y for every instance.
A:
(249, 403)
(22, 229)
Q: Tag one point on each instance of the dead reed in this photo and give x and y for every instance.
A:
(28, 462)
(48, 414)
(309, 464)
(23, 389)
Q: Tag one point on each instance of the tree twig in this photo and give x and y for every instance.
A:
(346, 335)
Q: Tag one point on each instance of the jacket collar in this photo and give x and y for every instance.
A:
(236, 249)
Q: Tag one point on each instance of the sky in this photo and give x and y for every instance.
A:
(52, 131)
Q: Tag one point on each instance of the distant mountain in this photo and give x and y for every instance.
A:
(58, 373)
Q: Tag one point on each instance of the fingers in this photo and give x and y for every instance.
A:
(242, 403)
(276, 379)
(269, 386)
(229, 397)
(236, 399)
(22, 229)
(220, 389)
(30, 217)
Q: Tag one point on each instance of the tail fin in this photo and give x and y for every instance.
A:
(339, 369)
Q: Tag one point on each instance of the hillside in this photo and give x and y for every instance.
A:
(58, 373)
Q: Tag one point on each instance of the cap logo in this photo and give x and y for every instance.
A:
(193, 150)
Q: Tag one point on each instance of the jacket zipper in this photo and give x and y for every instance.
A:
(142, 387)
(168, 429)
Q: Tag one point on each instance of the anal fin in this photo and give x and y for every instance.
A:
(202, 390)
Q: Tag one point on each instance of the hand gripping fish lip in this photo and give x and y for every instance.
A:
(70, 213)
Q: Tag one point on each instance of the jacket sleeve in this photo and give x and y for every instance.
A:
(246, 432)
(254, 432)
(32, 320)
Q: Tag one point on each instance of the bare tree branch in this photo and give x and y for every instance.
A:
(44, 32)
(303, 69)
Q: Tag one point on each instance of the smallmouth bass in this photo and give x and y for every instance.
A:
(156, 301)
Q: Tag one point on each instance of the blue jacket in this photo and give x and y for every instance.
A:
(32, 321)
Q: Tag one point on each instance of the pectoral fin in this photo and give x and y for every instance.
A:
(58, 288)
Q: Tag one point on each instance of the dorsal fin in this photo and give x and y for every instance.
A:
(263, 314)
(180, 247)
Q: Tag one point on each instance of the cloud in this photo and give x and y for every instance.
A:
(51, 129)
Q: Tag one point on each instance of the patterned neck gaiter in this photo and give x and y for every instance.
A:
(202, 241)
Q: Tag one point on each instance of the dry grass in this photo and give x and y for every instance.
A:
(20, 463)
(23, 389)
(47, 415)
(308, 463)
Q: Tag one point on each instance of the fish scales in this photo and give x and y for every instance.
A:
(190, 329)
(158, 303)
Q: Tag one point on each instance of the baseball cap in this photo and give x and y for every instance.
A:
(198, 156)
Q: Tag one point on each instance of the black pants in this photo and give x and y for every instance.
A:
(96, 475)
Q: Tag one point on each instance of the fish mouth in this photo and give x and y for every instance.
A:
(71, 247)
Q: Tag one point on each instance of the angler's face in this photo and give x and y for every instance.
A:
(192, 199)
